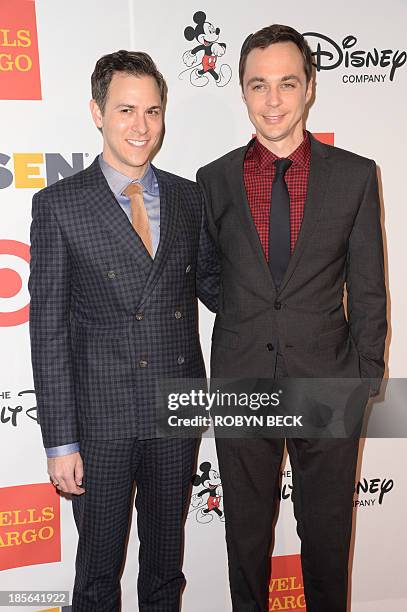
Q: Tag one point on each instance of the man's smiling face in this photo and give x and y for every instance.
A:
(131, 123)
(276, 92)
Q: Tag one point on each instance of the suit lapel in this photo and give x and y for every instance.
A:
(169, 210)
(239, 197)
(320, 168)
(107, 211)
(317, 184)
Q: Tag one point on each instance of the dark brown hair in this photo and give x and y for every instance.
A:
(269, 36)
(136, 63)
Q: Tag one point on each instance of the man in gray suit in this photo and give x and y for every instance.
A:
(294, 221)
(118, 255)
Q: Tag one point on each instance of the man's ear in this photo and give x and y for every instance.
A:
(308, 94)
(97, 115)
(243, 96)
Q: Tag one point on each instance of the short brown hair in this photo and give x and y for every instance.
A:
(136, 63)
(269, 36)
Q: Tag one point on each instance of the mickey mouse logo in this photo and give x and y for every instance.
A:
(208, 501)
(202, 59)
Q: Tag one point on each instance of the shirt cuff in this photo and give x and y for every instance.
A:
(60, 451)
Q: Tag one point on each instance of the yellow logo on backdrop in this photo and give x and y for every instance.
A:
(284, 596)
(28, 172)
(19, 59)
(30, 530)
(11, 61)
(286, 589)
(11, 518)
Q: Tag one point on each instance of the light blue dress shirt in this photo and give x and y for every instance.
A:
(151, 195)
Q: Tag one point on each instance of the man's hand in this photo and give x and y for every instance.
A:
(66, 473)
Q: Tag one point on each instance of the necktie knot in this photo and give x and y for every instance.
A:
(282, 166)
(133, 189)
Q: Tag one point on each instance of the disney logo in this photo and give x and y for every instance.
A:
(329, 55)
(9, 414)
(372, 485)
(375, 485)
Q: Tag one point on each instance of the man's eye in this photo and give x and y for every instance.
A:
(258, 87)
(125, 110)
(288, 85)
(154, 111)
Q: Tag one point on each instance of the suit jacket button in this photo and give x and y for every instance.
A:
(177, 314)
(277, 305)
(180, 360)
(139, 316)
(143, 363)
(269, 346)
(111, 274)
(188, 269)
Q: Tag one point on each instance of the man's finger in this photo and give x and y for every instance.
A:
(79, 472)
(68, 485)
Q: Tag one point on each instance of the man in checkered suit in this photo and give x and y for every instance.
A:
(114, 309)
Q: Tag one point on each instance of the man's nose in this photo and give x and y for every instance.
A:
(139, 125)
(273, 96)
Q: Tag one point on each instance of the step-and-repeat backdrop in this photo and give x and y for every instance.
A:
(47, 53)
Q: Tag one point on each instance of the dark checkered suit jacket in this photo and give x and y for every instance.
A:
(106, 320)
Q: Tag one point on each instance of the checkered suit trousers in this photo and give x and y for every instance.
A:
(162, 471)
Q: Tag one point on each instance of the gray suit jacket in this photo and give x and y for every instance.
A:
(340, 243)
(106, 320)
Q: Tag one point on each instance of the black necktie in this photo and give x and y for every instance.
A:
(279, 229)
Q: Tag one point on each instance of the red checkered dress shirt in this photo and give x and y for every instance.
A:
(259, 173)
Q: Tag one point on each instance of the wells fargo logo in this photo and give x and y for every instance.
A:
(29, 525)
(286, 589)
(19, 63)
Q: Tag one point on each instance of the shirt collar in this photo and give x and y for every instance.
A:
(264, 158)
(118, 181)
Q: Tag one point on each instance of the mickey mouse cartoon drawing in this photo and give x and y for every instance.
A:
(208, 50)
(211, 481)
